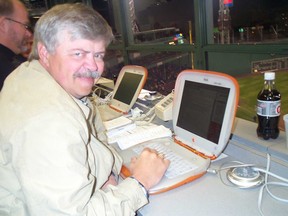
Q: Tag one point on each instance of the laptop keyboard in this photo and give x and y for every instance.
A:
(178, 165)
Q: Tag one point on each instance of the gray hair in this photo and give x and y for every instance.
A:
(79, 20)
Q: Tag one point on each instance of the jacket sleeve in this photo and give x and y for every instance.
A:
(61, 174)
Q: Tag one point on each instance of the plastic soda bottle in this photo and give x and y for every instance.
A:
(268, 108)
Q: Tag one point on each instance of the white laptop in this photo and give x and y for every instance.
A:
(130, 81)
(204, 108)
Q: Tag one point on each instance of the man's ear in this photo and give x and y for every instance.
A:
(43, 54)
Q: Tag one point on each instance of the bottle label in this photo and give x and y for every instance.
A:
(268, 108)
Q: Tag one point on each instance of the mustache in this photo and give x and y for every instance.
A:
(87, 74)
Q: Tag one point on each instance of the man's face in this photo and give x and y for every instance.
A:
(17, 33)
(72, 63)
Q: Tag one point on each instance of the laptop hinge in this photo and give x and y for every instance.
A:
(117, 110)
(195, 151)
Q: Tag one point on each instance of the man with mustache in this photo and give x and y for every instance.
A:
(52, 161)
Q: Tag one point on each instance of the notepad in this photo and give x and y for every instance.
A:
(139, 134)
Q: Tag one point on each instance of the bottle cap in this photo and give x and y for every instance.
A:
(269, 76)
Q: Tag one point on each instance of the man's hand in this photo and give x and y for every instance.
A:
(149, 167)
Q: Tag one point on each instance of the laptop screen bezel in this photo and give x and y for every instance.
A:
(132, 69)
(209, 78)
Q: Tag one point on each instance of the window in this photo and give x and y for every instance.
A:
(248, 22)
(162, 21)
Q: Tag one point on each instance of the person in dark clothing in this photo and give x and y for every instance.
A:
(14, 34)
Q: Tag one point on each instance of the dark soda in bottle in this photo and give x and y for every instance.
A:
(268, 108)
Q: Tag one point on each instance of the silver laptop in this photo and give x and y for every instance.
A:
(130, 81)
(204, 108)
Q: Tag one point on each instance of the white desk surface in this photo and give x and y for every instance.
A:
(209, 196)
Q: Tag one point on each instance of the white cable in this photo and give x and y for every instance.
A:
(260, 200)
(235, 166)
(266, 185)
(145, 116)
(271, 174)
(98, 100)
(260, 197)
(141, 123)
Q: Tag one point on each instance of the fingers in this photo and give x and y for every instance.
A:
(150, 152)
(158, 154)
(161, 155)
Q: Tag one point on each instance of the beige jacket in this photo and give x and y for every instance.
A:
(51, 162)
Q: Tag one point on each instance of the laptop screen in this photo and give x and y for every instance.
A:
(202, 109)
(128, 87)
